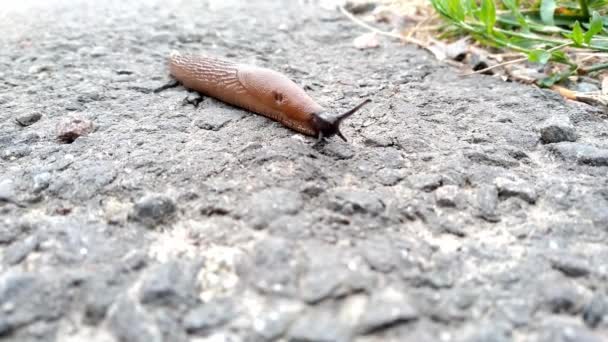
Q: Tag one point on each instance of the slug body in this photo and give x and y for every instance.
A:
(256, 89)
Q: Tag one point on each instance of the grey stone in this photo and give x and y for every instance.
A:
(31, 298)
(491, 158)
(349, 202)
(128, 322)
(426, 182)
(273, 268)
(169, 284)
(561, 298)
(570, 266)
(448, 196)
(557, 129)
(387, 307)
(18, 251)
(596, 311)
(487, 203)
(381, 255)
(152, 210)
(509, 188)
(389, 177)
(28, 119)
(568, 332)
(582, 154)
(320, 325)
(42, 181)
(7, 190)
(16, 152)
(209, 315)
(265, 206)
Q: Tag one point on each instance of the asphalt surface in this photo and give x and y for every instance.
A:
(461, 209)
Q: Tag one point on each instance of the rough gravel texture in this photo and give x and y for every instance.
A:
(444, 218)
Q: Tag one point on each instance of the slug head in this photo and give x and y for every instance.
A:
(328, 126)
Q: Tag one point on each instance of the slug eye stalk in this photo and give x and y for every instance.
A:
(330, 125)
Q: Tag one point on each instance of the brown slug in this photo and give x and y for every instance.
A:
(259, 90)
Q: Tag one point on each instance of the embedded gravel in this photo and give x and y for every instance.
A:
(461, 209)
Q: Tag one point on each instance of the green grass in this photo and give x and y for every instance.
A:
(546, 31)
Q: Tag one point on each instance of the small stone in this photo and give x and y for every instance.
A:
(153, 210)
(586, 87)
(491, 158)
(385, 308)
(487, 202)
(560, 331)
(381, 255)
(71, 129)
(426, 182)
(349, 202)
(28, 119)
(271, 325)
(557, 129)
(389, 177)
(319, 325)
(16, 152)
(98, 51)
(7, 190)
(448, 196)
(560, 298)
(42, 181)
(596, 311)
(267, 205)
(580, 153)
(18, 251)
(129, 322)
(166, 284)
(509, 188)
(570, 266)
(209, 315)
(39, 68)
(97, 302)
(273, 268)
(215, 118)
(115, 211)
(367, 41)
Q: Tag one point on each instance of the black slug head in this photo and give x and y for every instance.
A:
(328, 126)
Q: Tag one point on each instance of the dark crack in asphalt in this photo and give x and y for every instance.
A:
(462, 208)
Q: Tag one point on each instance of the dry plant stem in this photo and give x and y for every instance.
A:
(523, 59)
(384, 33)
(519, 60)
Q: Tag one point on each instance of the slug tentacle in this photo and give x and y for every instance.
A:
(259, 90)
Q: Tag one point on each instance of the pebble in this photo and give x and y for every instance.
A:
(580, 153)
(570, 266)
(448, 196)
(562, 298)
(487, 202)
(387, 307)
(42, 181)
(596, 311)
(153, 210)
(557, 129)
(509, 188)
(426, 182)
(171, 283)
(71, 129)
(267, 205)
(18, 251)
(350, 202)
(7, 190)
(28, 119)
(209, 315)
